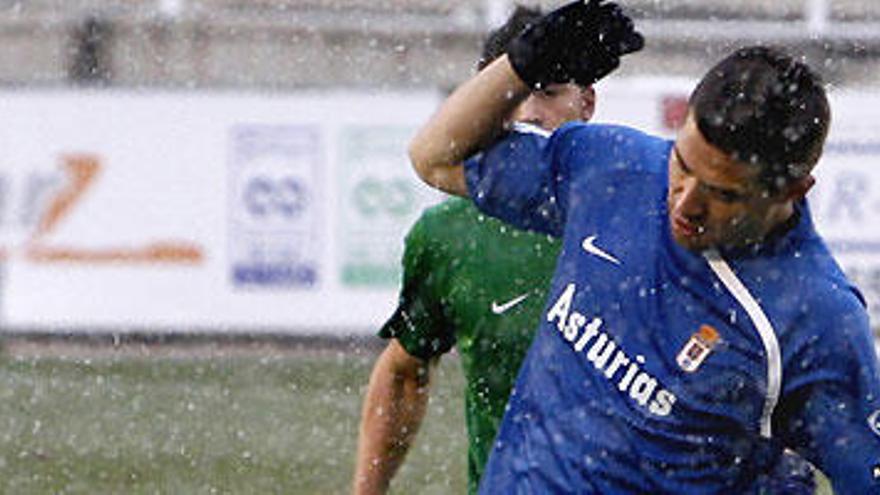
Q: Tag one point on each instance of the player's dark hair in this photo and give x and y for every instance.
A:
(496, 42)
(765, 108)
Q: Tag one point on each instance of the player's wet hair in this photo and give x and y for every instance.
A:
(764, 107)
(496, 42)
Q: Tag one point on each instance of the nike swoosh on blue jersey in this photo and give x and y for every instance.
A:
(589, 246)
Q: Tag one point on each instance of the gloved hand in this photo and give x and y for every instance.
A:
(580, 42)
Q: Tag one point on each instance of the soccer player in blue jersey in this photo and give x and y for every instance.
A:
(450, 250)
(696, 323)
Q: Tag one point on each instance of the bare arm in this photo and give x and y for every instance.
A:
(468, 120)
(394, 406)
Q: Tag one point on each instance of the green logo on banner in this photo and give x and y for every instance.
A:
(380, 200)
(393, 197)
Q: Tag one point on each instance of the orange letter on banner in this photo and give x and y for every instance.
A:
(82, 169)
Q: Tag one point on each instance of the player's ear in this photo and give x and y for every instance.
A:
(588, 102)
(799, 188)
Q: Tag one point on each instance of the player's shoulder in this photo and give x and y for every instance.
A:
(834, 318)
(827, 297)
(614, 137)
(580, 133)
(820, 274)
(446, 215)
(618, 147)
(832, 295)
(450, 208)
(444, 221)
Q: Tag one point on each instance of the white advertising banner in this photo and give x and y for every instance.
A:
(230, 212)
(155, 212)
(846, 199)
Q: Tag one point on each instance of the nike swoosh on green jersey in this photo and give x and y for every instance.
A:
(501, 308)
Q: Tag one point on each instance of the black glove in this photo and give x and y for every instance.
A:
(581, 42)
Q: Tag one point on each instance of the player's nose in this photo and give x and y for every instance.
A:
(688, 200)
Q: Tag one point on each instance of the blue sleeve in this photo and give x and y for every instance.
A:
(528, 177)
(829, 413)
(517, 180)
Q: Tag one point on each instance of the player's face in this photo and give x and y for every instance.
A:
(556, 105)
(716, 201)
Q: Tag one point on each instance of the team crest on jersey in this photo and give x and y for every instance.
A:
(698, 348)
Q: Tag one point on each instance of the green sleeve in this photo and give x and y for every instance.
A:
(419, 323)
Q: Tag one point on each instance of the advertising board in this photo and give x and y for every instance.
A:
(243, 212)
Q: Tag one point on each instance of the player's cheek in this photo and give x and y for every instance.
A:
(724, 218)
(741, 224)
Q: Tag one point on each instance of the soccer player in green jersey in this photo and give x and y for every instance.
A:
(469, 281)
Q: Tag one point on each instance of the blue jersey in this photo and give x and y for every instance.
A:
(660, 370)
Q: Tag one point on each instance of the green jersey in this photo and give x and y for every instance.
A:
(479, 284)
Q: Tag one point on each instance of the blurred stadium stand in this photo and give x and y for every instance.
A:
(288, 44)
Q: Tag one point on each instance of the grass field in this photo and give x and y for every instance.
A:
(243, 425)
(233, 425)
